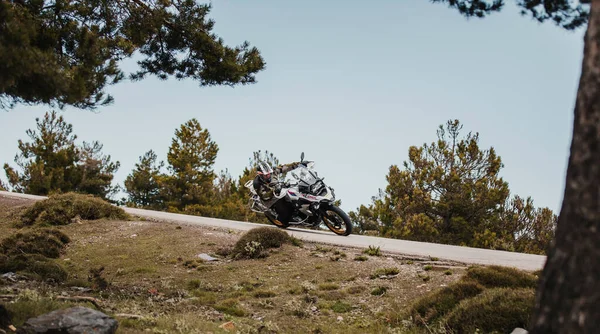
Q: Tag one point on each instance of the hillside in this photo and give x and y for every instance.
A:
(153, 279)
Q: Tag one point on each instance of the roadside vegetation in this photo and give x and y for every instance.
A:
(150, 277)
(422, 202)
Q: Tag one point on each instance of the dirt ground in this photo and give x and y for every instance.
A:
(153, 281)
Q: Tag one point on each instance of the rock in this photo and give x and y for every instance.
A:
(340, 318)
(74, 320)
(207, 257)
(10, 276)
(519, 331)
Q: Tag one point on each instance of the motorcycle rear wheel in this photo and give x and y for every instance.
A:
(343, 221)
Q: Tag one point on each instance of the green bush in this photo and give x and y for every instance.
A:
(498, 310)
(46, 242)
(33, 265)
(502, 277)
(254, 243)
(62, 209)
(438, 303)
(32, 252)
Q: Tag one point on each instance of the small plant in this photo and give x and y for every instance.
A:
(194, 284)
(361, 258)
(264, 294)
(322, 249)
(341, 307)
(431, 258)
(254, 243)
(426, 278)
(99, 283)
(355, 289)
(296, 242)
(427, 267)
(448, 272)
(329, 286)
(373, 251)
(409, 262)
(385, 272)
(378, 291)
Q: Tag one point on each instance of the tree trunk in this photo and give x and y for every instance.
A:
(568, 296)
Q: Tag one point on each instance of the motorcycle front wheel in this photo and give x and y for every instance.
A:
(337, 220)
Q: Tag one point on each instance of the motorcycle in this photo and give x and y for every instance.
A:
(303, 199)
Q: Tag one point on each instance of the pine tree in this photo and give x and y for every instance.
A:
(66, 52)
(566, 300)
(53, 163)
(190, 160)
(446, 193)
(144, 183)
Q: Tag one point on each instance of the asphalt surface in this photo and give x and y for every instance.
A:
(465, 255)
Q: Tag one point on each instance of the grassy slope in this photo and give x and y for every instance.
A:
(153, 272)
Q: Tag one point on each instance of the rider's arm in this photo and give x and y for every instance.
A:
(286, 168)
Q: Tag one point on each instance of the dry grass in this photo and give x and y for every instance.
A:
(151, 269)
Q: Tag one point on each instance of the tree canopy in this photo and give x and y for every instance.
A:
(52, 162)
(65, 52)
(450, 191)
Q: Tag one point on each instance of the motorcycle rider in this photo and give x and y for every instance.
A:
(263, 182)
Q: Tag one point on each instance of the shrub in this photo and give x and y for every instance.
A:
(62, 209)
(328, 286)
(440, 302)
(264, 294)
(373, 251)
(497, 310)
(341, 307)
(32, 252)
(46, 242)
(361, 258)
(254, 243)
(34, 265)
(378, 291)
(385, 272)
(501, 277)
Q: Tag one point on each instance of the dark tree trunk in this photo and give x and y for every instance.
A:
(568, 297)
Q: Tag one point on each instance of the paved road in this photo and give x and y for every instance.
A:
(412, 248)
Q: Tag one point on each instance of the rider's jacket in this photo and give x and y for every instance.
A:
(264, 189)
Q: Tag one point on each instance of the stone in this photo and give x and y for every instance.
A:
(74, 320)
(207, 257)
(519, 331)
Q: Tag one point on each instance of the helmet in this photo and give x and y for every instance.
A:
(264, 171)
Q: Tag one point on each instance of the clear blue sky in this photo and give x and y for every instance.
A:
(353, 85)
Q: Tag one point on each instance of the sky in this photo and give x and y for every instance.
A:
(354, 86)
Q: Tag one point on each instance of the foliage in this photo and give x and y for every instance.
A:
(257, 240)
(373, 251)
(53, 163)
(450, 192)
(62, 209)
(566, 14)
(438, 303)
(501, 277)
(67, 52)
(491, 299)
(499, 310)
(32, 252)
(46, 242)
(144, 183)
(190, 161)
